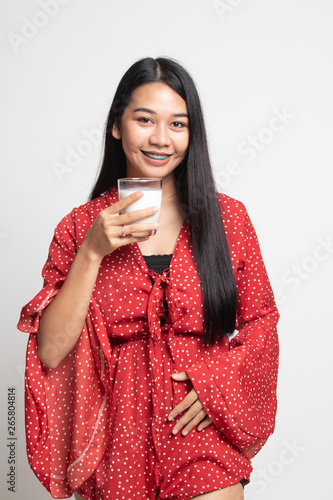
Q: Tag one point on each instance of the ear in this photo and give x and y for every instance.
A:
(116, 129)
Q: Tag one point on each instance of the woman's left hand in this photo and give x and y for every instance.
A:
(196, 414)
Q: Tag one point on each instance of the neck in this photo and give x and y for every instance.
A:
(170, 203)
(168, 189)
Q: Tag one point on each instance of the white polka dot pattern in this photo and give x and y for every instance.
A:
(98, 423)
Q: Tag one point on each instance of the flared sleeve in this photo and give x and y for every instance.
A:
(61, 255)
(61, 451)
(238, 388)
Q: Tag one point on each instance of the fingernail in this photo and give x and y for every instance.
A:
(174, 431)
(185, 433)
(139, 193)
(170, 418)
(155, 209)
(156, 224)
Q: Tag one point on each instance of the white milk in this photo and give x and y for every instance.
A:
(150, 198)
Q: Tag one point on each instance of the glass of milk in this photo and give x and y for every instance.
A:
(152, 195)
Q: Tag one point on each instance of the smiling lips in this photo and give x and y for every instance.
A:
(156, 156)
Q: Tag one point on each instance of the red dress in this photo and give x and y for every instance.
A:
(98, 422)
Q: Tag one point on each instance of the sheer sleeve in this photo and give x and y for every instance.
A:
(61, 255)
(238, 388)
(61, 451)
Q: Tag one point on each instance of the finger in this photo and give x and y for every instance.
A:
(136, 215)
(192, 417)
(138, 229)
(205, 423)
(180, 376)
(124, 203)
(127, 240)
(188, 401)
(200, 416)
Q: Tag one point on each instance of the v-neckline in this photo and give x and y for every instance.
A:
(141, 258)
(135, 247)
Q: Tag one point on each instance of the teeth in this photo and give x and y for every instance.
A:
(156, 157)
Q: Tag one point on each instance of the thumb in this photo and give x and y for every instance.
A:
(180, 376)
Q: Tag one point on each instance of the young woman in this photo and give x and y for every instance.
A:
(135, 387)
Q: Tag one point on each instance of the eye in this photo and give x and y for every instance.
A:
(144, 120)
(178, 125)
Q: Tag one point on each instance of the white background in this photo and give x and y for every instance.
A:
(251, 60)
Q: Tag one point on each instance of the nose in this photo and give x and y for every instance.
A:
(160, 135)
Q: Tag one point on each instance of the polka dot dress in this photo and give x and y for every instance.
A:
(97, 424)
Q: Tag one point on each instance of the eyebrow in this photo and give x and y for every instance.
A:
(147, 110)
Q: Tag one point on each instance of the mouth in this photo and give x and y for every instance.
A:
(156, 156)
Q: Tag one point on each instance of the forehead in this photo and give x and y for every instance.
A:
(157, 96)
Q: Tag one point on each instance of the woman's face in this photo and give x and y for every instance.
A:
(154, 131)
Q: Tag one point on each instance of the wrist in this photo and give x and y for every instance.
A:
(89, 255)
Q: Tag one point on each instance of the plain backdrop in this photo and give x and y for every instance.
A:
(264, 72)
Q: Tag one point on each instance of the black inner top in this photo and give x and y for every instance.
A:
(159, 263)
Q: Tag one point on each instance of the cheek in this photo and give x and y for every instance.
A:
(186, 137)
(184, 143)
(132, 139)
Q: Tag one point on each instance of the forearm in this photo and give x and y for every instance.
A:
(62, 321)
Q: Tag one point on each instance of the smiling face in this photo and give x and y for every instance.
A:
(154, 130)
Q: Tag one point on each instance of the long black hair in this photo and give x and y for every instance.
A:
(195, 189)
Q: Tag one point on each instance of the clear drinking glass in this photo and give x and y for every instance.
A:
(152, 195)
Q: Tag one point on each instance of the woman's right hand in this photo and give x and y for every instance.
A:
(62, 321)
(107, 232)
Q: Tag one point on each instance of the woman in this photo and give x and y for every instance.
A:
(136, 388)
